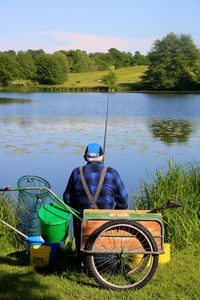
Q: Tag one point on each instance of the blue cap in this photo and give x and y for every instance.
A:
(93, 150)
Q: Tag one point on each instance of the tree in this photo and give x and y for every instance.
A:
(114, 58)
(169, 63)
(35, 53)
(11, 52)
(27, 68)
(195, 73)
(109, 79)
(139, 59)
(120, 59)
(50, 69)
(63, 60)
(102, 60)
(8, 68)
(80, 61)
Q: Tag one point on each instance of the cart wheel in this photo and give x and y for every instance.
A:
(117, 268)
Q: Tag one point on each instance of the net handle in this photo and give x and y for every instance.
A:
(49, 193)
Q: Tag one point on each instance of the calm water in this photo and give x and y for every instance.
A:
(45, 134)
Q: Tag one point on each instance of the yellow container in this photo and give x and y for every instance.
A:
(165, 258)
(137, 258)
(39, 255)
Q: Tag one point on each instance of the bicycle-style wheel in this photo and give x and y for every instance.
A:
(113, 265)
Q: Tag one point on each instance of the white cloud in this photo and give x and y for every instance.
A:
(95, 43)
(52, 41)
(25, 45)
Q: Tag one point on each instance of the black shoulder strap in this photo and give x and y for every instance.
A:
(103, 174)
(90, 197)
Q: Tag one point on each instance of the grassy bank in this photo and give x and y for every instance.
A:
(177, 280)
(181, 183)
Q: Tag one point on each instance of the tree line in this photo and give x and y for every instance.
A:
(173, 64)
(53, 68)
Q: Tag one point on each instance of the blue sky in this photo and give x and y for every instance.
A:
(90, 25)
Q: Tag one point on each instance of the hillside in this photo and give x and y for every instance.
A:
(125, 76)
(84, 82)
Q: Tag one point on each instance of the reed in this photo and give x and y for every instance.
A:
(181, 183)
(8, 214)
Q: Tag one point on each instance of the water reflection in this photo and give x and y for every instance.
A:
(171, 130)
(13, 101)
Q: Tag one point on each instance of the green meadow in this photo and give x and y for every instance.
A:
(91, 79)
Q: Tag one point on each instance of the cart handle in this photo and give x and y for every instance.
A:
(169, 204)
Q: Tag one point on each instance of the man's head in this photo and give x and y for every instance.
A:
(94, 152)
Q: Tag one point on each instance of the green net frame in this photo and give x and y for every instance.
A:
(30, 201)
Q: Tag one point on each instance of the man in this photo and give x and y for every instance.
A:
(94, 178)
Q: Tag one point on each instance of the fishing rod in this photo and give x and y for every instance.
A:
(106, 122)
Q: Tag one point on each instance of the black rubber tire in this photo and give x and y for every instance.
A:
(148, 265)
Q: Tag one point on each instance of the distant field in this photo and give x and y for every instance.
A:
(126, 78)
(91, 79)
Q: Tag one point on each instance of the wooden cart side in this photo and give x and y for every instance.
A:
(155, 227)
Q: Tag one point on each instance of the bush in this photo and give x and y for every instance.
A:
(180, 183)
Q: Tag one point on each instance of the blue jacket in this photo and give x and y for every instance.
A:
(112, 195)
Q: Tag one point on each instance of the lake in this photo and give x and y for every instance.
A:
(45, 134)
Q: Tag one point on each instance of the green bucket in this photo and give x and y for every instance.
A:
(54, 222)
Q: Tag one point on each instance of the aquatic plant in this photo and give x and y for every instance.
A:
(181, 183)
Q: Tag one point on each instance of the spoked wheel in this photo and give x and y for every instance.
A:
(118, 269)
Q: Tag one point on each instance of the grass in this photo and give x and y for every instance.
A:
(90, 79)
(8, 215)
(177, 280)
(126, 77)
(180, 183)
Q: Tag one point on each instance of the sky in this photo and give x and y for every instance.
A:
(95, 26)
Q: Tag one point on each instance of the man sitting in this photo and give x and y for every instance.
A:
(90, 179)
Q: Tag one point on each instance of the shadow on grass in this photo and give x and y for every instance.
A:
(17, 282)
(21, 286)
(65, 265)
(68, 266)
(19, 258)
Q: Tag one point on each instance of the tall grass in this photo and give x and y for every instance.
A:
(180, 183)
(8, 214)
